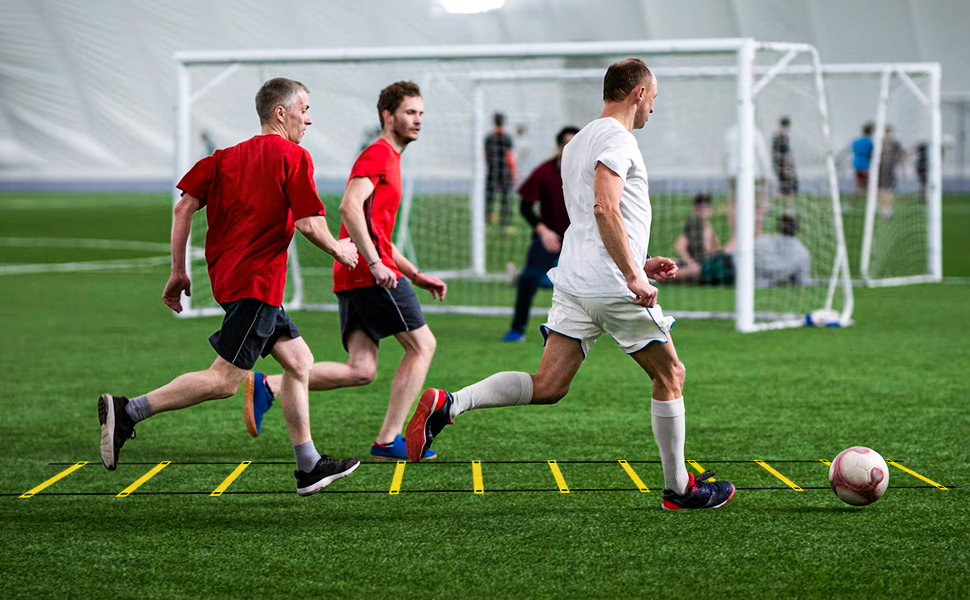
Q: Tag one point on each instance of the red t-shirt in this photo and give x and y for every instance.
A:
(544, 186)
(380, 163)
(253, 192)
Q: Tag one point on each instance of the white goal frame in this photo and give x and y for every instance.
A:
(748, 83)
(934, 180)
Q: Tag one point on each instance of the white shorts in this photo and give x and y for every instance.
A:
(584, 319)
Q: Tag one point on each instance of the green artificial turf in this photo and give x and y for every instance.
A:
(896, 381)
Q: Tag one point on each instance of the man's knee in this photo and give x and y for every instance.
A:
(422, 345)
(299, 364)
(226, 381)
(363, 374)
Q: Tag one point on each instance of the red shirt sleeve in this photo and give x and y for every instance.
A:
(198, 181)
(372, 163)
(299, 188)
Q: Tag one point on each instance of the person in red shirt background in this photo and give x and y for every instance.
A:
(375, 298)
(544, 186)
(256, 194)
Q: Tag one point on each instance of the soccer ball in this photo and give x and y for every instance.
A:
(859, 476)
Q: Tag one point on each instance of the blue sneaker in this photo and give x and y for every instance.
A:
(514, 336)
(257, 399)
(396, 451)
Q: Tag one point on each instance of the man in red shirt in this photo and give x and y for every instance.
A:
(256, 194)
(544, 186)
(375, 298)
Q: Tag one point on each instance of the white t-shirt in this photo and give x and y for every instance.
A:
(585, 268)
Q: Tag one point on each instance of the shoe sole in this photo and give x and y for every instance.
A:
(415, 438)
(733, 489)
(249, 390)
(392, 458)
(106, 416)
(316, 487)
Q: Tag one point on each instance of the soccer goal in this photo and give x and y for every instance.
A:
(715, 117)
(901, 230)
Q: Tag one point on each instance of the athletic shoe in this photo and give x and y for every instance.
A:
(116, 428)
(323, 474)
(257, 399)
(395, 451)
(700, 494)
(514, 336)
(433, 413)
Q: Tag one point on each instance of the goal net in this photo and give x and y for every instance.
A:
(712, 133)
(893, 220)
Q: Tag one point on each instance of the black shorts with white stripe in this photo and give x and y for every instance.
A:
(379, 312)
(250, 329)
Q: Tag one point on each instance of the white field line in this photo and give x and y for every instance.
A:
(91, 244)
(19, 242)
(72, 267)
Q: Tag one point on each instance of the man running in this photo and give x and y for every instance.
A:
(601, 285)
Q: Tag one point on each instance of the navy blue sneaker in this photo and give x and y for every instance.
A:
(513, 336)
(257, 399)
(700, 494)
(431, 416)
(326, 471)
(396, 451)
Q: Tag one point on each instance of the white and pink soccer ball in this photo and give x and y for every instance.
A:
(859, 476)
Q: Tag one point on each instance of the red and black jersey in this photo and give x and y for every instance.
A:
(380, 163)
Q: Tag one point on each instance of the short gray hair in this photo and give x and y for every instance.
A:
(277, 92)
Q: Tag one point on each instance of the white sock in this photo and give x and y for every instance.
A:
(507, 388)
(668, 429)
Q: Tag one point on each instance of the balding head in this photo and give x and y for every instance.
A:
(624, 77)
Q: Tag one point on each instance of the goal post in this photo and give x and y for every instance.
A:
(442, 225)
(902, 231)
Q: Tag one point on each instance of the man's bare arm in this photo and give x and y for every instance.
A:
(181, 227)
(607, 192)
(437, 287)
(352, 211)
(315, 229)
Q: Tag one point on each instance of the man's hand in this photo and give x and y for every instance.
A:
(172, 296)
(660, 268)
(646, 294)
(434, 285)
(383, 276)
(346, 253)
(549, 238)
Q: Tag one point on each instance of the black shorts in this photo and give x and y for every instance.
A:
(250, 329)
(379, 312)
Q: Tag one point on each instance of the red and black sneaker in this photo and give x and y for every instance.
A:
(701, 493)
(433, 413)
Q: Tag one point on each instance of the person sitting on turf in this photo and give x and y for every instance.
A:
(781, 258)
(255, 194)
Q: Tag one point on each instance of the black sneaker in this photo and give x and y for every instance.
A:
(116, 428)
(431, 416)
(326, 472)
(700, 494)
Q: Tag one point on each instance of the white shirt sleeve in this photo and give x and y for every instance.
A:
(619, 157)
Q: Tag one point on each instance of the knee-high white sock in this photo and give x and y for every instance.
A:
(507, 388)
(668, 429)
